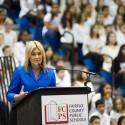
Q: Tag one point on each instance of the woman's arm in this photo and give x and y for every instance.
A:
(48, 26)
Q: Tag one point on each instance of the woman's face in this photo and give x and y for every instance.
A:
(49, 53)
(55, 9)
(35, 57)
(122, 10)
(112, 38)
(118, 105)
(101, 3)
(123, 122)
(24, 36)
(88, 9)
(96, 29)
(119, 20)
(68, 15)
(69, 2)
(83, 18)
(107, 90)
(84, 2)
(100, 19)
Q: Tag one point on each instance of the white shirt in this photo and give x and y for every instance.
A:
(108, 103)
(26, 5)
(115, 115)
(67, 37)
(104, 118)
(19, 53)
(113, 9)
(1, 51)
(120, 38)
(80, 31)
(89, 84)
(9, 38)
(66, 82)
(108, 20)
(53, 22)
(93, 43)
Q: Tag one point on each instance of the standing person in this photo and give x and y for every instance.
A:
(118, 109)
(2, 18)
(19, 48)
(31, 76)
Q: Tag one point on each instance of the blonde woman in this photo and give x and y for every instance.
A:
(31, 76)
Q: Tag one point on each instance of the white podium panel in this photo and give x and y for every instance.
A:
(64, 109)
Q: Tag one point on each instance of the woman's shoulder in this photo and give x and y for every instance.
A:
(19, 68)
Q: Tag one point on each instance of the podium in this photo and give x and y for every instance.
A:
(54, 106)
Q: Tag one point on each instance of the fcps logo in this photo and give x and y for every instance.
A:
(56, 113)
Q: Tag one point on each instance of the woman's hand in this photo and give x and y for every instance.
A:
(19, 96)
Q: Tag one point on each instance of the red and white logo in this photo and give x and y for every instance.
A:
(56, 113)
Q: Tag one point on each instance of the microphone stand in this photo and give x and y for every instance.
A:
(87, 73)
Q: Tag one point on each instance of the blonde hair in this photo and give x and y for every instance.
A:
(29, 48)
(8, 21)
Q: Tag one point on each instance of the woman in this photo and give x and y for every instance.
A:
(104, 93)
(19, 48)
(119, 66)
(118, 109)
(81, 80)
(110, 51)
(92, 47)
(31, 76)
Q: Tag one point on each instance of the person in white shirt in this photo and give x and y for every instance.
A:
(81, 79)
(103, 37)
(104, 93)
(117, 22)
(10, 36)
(91, 15)
(1, 44)
(80, 29)
(100, 112)
(92, 47)
(58, 61)
(19, 48)
(100, 22)
(110, 51)
(118, 109)
(121, 35)
(107, 18)
(50, 30)
(113, 8)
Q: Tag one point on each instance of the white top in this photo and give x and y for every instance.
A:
(104, 118)
(53, 22)
(66, 38)
(115, 115)
(113, 9)
(120, 38)
(9, 38)
(26, 5)
(112, 52)
(89, 84)
(80, 31)
(66, 82)
(108, 20)
(103, 39)
(93, 43)
(19, 53)
(108, 103)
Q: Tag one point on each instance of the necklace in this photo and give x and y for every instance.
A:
(37, 74)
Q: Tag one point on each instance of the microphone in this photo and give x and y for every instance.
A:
(89, 73)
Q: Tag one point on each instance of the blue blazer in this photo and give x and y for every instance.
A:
(20, 78)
